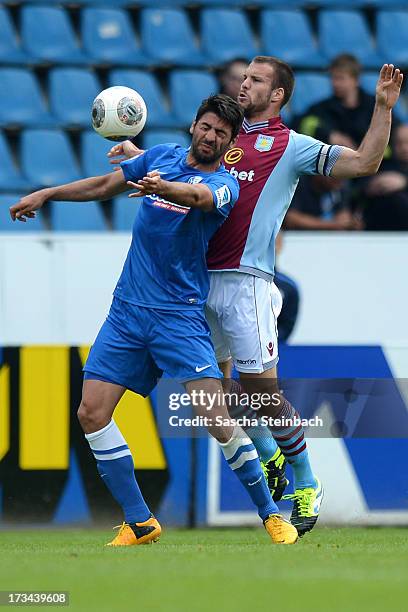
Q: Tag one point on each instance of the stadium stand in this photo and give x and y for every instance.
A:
(6, 200)
(108, 37)
(231, 38)
(55, 55)
(47, 158)
(288, 35)
(48, 36)
(146, 84)
(77, 217)
(83, 85)
(10, 175)
(187, 89)
(177, 41)
(24, 104)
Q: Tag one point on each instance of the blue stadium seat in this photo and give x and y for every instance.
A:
(226, 34)
(168, 38)
(10, 49)
(108, 37)
(347, 32)
(47, 158)
(24, 104)
(48, 35)
(93, 154)
(309, 89)
(77, 217)
(288, 35)
(146, 84)
(124, 212)
(155, 137)
(7, 225)
(10, 175)
(73, 109)
(188, 88)
(392, 36)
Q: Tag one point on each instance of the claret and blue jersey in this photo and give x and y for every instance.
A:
(166, 264)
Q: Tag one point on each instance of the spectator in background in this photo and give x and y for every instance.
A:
(230, 78)
(343, 118)
(386, 193)
(322, 203)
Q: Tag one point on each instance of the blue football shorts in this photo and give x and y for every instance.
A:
(135, 345)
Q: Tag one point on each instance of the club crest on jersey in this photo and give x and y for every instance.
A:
(264, 143)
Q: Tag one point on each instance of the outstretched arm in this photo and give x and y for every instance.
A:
(85, 190)
(367, 159)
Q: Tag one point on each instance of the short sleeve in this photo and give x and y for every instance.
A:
(135, 168)
(225, 192)
(313, 156)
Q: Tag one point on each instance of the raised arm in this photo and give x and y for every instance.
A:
(367, 159)
(85, 190)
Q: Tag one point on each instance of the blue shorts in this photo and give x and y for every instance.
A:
(136, 345)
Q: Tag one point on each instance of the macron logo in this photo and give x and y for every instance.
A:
(203, 368)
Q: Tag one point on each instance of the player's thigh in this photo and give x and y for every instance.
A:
(180, 344)
(119, 354)
(249, 323)
(219, 340)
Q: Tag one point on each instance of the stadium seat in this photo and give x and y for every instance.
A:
(108, 37)
(168, 38)
(226, 34)
(10, 49)
(309, 89)
(124, 211)
(188, 88)
(146, 84)
(10, 175)
(93, 154)
(155, 137)
(83, 87)
(48, 35)
(288, 35)
(47, 158)
(392, 36)
(77, 217)
(7, 225)
(24, 103)
(347, 32)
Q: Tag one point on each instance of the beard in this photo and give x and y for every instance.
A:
(204, 158)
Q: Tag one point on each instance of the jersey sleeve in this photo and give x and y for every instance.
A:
(225, 190)
(135, 168)
(313, 156)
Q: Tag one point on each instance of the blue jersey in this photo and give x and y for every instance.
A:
(166, 263)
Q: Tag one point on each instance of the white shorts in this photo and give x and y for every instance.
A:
(242, 311)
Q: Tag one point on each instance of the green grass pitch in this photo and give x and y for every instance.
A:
(217, 570)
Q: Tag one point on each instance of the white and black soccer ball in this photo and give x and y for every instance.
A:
(118, 113)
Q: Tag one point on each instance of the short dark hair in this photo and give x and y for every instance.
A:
(284, 75)
(347, 62)
(225, 108)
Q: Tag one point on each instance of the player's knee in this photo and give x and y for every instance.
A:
(89, 416)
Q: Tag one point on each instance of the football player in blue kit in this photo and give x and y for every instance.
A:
(156, 321)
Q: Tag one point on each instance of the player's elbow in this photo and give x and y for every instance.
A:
(366, 167)
(202, 198)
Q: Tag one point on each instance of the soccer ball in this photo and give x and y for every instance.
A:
(118, 113)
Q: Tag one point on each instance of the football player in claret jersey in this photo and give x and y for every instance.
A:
(156, 321)
(243, 302)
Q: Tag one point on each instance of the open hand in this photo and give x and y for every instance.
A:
(148, 185)
(123, 150)
(25, 207)
(389, 86)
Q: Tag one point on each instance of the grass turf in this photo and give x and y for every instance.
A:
(213, 570)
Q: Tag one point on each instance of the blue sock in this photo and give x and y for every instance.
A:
(260, 435)
(292, 443)
(115, 465)
(243, 459)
